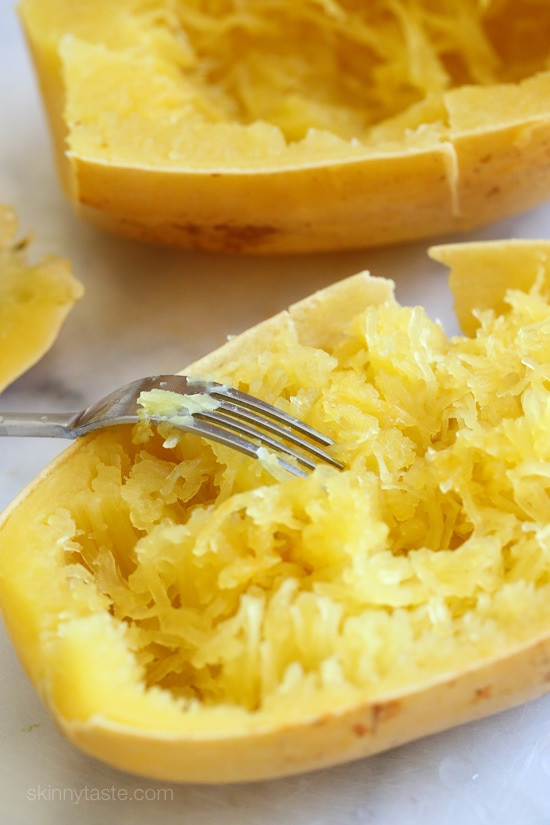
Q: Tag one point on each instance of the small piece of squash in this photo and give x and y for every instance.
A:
(288, 127)
(186, 616)
(34, 301)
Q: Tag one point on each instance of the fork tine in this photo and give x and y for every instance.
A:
(241, 414)
(264, 418)
(255, 426)
(231, 438)
(233, 424)
(288, 421)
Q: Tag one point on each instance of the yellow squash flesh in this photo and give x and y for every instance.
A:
(34, 301)
(187, 616)
(287, 127)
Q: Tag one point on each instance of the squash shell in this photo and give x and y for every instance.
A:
(131, 730)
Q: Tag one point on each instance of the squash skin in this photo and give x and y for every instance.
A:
(475, 178)
(136, 733)
(480, 172)
(514, 264)
(329, 738)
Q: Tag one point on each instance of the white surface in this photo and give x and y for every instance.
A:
(152, 310)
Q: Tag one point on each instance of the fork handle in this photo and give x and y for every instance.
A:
(46, 425)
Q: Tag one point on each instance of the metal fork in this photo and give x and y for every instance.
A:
(239, 420)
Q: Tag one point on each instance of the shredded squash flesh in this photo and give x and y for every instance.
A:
(319, 75)
(343, 65)
(431, 550)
